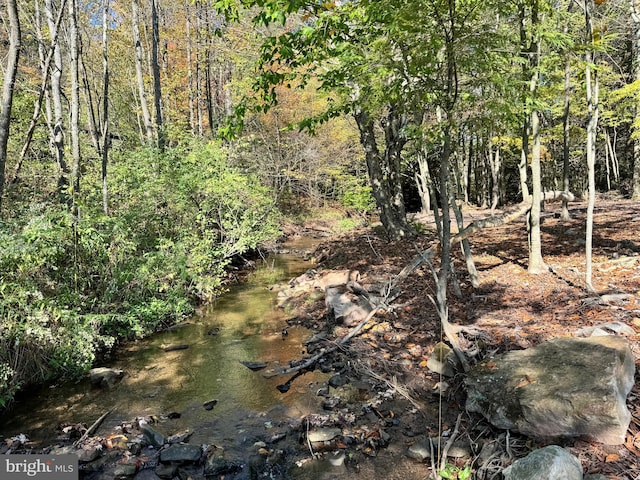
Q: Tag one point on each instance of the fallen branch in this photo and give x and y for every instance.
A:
(449, 444)
(92, 428)
(306, 364)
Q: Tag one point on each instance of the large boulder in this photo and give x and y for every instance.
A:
(552, 462)
(567, 387)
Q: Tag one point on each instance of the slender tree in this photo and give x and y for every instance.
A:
(15, 39)
(74, 116)
(105, 104)
(536, 262)
(592, 91)
(155, 69)
(635, 49)
(147, 123)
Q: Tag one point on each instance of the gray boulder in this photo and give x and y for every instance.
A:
(105, 377)
(549, 463)
(181, 453)
(566, 387)
(346, 307)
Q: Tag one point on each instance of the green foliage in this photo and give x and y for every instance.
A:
(70, 290)
(455, 473)
(355, 193)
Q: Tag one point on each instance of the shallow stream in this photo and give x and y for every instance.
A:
(243, 325)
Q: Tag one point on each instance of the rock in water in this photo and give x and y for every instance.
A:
(552, 462)
(566, 387)
(181, 453)
(254, 365)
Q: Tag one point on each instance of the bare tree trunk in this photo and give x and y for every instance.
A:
(591, 79)
(142, 96)
(423, 181)
(58, 133)
(192, 96)
(466, 247)
(494, 159)
(15, 40)
(74, 122)
(92, 120)
(635, 48)
(536, 262)
(105, 105)
(564, 214)
(155, 69)
(526, 53)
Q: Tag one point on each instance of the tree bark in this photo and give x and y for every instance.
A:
(384, 172)
(536, 262)
(15, 39)
(74, 121)
(155, 69)
(591, 79)
(106, 141)
(635, 48)
(142, 95)
(564, 213)
(58, 133)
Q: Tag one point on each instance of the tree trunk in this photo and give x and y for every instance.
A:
(526, 54)
(142, 96)
(536, 262)
(155, 69)
(58, 133)
(106, 141)
(635, 48)
(74, 121)
(495, 162)
(190, 85)
(591, 79)
(15, 39)
(384, 173)
(564, 214)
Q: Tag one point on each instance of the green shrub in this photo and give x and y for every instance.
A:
(72, 289)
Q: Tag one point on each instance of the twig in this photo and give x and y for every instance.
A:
(92, 428)
(448, 445)
(310, 361)
(313, 454)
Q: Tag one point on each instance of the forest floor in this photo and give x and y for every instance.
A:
(515, 309)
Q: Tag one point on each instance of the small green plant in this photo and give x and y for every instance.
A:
(453, 472)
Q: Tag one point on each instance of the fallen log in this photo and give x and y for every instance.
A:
(428, 254)
(92, 428)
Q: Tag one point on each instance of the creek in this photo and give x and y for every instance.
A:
(242, 325)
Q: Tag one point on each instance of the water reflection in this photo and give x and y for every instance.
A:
(246, 327)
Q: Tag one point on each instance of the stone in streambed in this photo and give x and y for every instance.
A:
(152, 436)
(552, 462)
(181, 453)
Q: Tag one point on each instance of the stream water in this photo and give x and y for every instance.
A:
(243, 325)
